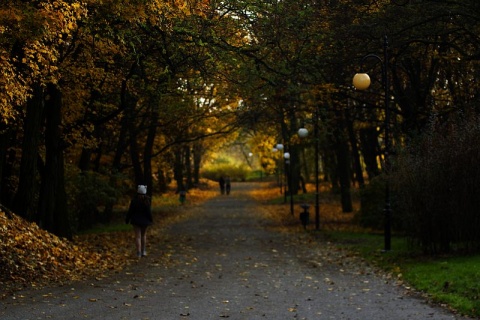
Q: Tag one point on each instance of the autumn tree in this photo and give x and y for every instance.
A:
(38, 57)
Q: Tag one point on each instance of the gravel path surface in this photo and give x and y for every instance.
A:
(226, 261)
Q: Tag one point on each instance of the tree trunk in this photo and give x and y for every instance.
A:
(343, 164)
(7, 158)
(162, 181)
(24, 202)
(197, 160)
(135, 157)
(355, 152)
(53, 210)
(148, 150)
(84, 162)
(294, 166)
(295, 158)
(330, 165)
(178, 169)
(306, 171)
(369, 147)
(134, 148)
(188, 166)
(119, 151)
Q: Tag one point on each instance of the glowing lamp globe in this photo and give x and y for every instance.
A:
(302, 132)
(361, 81)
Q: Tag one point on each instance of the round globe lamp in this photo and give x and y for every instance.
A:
(302, 132)
(361, 81)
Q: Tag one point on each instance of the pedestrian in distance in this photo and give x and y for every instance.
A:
(140, 216)
(228, 185)
(182, 196)
(221, 182)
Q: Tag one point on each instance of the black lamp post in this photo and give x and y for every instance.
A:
(286, 155)
(361, 81)
(277, 170)
(279, 147)
(302, 132)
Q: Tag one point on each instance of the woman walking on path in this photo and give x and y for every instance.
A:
(140, 216)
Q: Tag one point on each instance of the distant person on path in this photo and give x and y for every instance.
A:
(221, 182)
(182, 196)
(140, 216)
(227, 184)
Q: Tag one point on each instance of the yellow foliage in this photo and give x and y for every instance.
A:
(13, 90)
(54, 22)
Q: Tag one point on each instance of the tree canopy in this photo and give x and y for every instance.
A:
(127, 92)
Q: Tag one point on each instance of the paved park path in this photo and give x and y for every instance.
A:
(227, 262)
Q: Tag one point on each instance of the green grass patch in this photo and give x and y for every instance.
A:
(453, 280)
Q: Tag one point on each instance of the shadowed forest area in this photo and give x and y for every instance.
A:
(97, 97)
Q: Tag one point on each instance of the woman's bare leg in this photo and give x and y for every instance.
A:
(138, 240)
(144, 241)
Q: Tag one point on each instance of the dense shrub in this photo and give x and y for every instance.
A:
(88, 192)
(437, 183)
(372, 197)
(372, 212)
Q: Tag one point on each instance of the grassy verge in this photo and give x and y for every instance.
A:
(448, 280)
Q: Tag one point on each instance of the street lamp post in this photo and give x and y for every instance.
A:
(277, 170)
(286, 155)
(279, 147)
(361, 81)
(302, 132)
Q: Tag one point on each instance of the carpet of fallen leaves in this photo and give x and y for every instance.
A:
(32, 256)
(332, 216)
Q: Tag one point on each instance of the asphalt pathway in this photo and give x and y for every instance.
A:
(227, 261)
